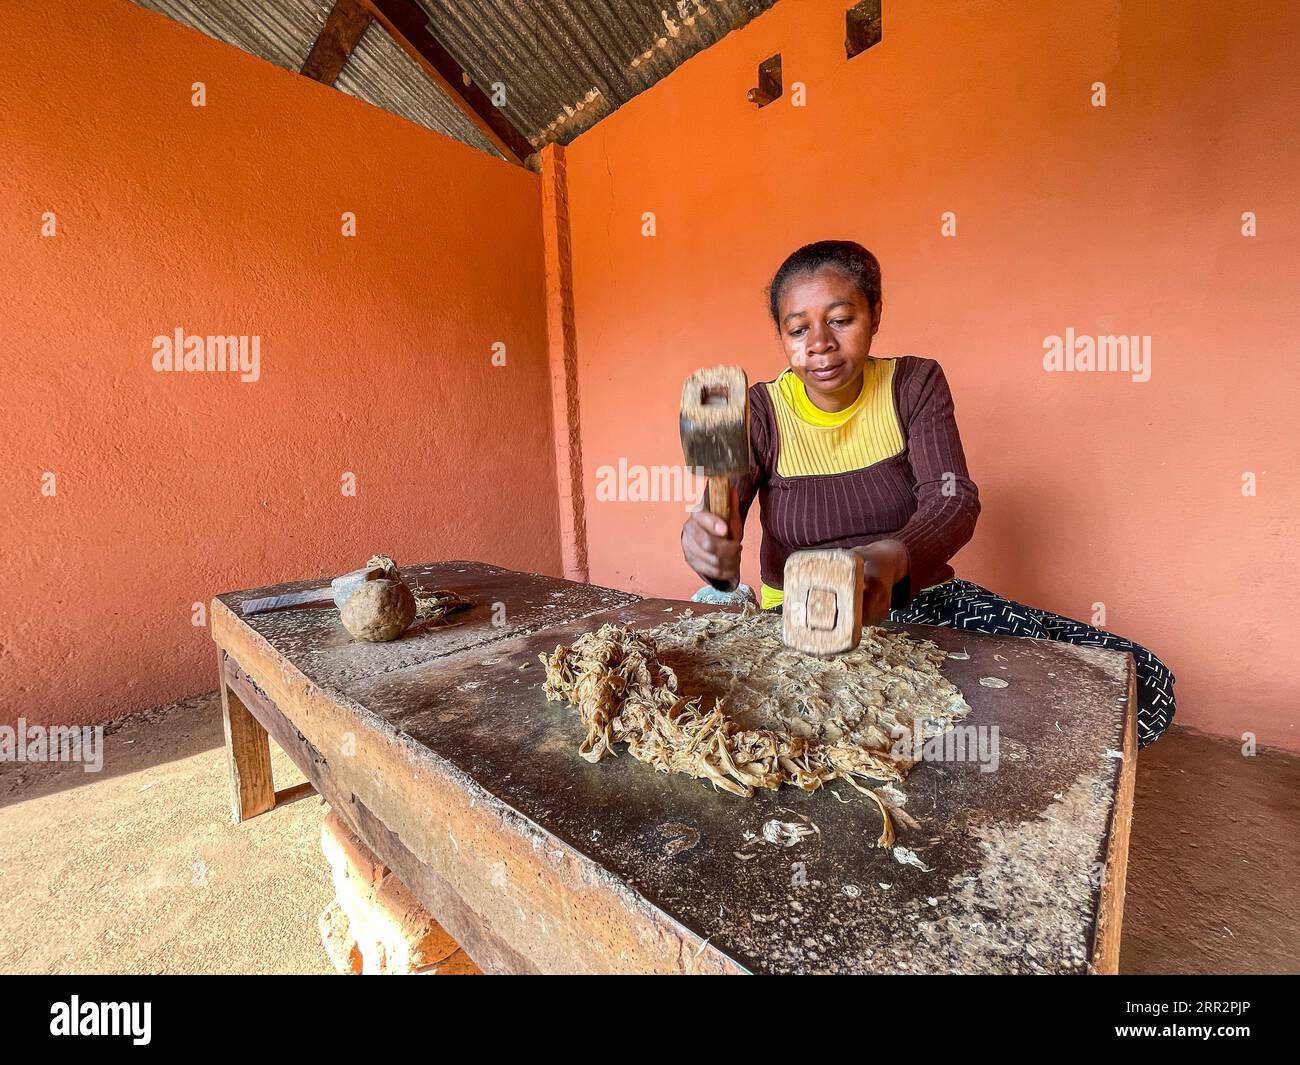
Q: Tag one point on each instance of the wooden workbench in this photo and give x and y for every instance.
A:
(441, 752)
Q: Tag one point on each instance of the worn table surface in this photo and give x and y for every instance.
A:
(506, 603)
(1011, 870)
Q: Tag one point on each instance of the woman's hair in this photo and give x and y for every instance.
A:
(848, 257)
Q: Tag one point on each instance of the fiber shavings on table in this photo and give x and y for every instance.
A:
(720, 697)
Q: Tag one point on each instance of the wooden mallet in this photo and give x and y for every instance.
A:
(715, 436)
(822, 612)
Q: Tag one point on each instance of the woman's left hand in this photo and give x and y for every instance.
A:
(884, 564)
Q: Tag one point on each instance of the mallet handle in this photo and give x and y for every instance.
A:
(720, 505)
(720, 498)
(278, 602)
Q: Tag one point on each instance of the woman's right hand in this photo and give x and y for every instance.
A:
(707, 549)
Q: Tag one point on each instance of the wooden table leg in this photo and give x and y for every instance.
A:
(1110, 920)
(248, 751)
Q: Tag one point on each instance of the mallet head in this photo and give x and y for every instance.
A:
(822, 611)
(715, 421)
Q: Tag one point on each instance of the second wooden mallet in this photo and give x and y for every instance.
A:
(715, 436)
(822, 613)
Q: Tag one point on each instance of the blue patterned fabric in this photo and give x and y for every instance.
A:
(960, 604)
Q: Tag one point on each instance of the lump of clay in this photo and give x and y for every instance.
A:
(378, 611)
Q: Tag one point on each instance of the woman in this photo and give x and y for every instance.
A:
(857, 452)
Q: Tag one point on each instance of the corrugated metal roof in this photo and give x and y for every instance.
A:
(282, 32)
(564, 64)
(379, 72)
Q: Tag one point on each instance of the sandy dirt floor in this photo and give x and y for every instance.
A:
(1214, 860)
(138, 868)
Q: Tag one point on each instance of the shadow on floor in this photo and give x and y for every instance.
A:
(168, 733)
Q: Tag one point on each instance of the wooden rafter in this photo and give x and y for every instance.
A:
(341, 33)
(408, 25)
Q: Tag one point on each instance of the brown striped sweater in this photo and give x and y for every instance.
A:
(893, 470)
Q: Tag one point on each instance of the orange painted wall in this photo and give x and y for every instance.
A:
(1125, 219)
(376, 350)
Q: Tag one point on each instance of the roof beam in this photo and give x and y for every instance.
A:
(408, 25)
(342, 32)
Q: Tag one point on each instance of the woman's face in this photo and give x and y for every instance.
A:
(826, 328)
